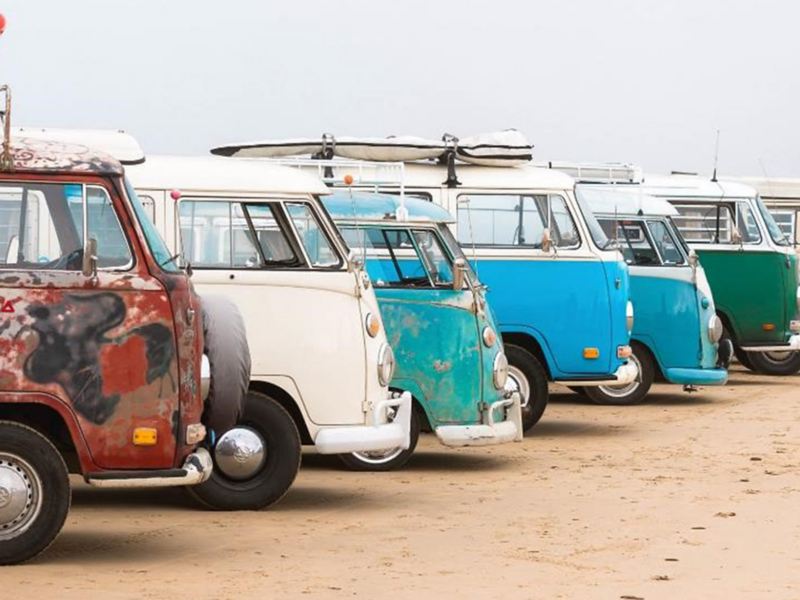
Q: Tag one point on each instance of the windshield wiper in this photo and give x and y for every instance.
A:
(169, 260)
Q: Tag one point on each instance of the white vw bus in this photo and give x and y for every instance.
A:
(257, 234)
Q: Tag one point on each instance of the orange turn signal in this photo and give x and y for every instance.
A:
(591, 353)
(768, 327)
(145, 436)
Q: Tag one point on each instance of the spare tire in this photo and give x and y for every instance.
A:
(228, 355)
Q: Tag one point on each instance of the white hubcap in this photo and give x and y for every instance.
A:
(20, 495)
(623, 391)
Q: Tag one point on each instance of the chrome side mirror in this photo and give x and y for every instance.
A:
(694, 260)
(89, 265)
(736, 237)
(547, 241)
(355, 262)
(12, 253)
(459, 273)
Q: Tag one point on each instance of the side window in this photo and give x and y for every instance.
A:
(317, 244)
(705, 223)
(234, 235)
(43, 227)
(149, 206)
(390, 255)
(515, 220)
(747, 224)
(633, 240)
(434, 256)
(666, 244)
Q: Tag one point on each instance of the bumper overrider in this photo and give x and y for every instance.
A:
(390, 428)
(625, 374)
(490, 432)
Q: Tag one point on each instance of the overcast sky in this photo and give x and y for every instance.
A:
(644, 81)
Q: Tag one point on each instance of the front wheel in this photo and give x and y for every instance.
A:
(632, 393)
(384, 460)
(775, 363)
(527, 376)
(256, 462)
(34, 492)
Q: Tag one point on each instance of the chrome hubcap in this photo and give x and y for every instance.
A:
(779, 357)
(517, 382)
(378, 457)
(20, 495)
(240, 453)
(621, 391)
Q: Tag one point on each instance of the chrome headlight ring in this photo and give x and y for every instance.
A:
(385, 364)
(500, 371)
(714, 329)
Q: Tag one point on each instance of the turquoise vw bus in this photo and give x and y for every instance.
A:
(676, 336)
(447, 350)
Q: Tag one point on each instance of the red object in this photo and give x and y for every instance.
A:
(7, 306)
(175, 195)
(2, 23)
(348, 179)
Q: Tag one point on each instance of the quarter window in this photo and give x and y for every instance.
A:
(665, 243)
(717, 223)
(505, 220)
(316, 243)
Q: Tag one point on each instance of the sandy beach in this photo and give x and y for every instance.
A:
(685, 496)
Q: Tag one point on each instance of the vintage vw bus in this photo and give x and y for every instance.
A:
(561, 298)
(750, 264)
(257, 234)
(448, 353)
(677, 332)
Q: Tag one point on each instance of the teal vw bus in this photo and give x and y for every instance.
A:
(447, 350)
(676, 335)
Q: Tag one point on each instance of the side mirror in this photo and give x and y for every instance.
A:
(12, 253)
(547, 241)
(355, 262)
(694, 260)
(736, 237)
(89, 265)
(459, 273)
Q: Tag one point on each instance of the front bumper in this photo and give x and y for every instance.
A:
(624, 375)
(793, 345)
(380, 435)
(196, 469)
(490, 433)
(696, 376)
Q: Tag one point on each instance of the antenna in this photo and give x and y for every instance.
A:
(6, 162)
(716, 158)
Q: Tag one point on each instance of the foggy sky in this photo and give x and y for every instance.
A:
(647, 82)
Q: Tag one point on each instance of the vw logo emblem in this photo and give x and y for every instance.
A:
(5, 497)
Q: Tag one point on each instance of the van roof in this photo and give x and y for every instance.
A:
(43, 156)
(624, 201)
(117, 143)
(211, 173)
(344, 205)
(690, 186)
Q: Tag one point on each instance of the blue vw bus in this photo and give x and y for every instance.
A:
(447, 350)
(676, 336)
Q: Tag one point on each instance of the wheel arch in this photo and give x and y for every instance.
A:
(287, 401)
(528, 342)
(658, 373)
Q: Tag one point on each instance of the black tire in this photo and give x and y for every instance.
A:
(743, 358)
(25, 454)
(524, 365)
(632, 393)
(384, 461)
(775, 363)
(225, 345)
(269, 484)
(578, 389)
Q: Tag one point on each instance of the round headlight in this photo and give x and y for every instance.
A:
(714, 329)
(629, 316)
(489, 336)
(373, 325)
(385, 364)
(500, 371)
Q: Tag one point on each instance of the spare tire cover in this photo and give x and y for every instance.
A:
(228, 354)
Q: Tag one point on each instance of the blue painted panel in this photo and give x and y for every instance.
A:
(569, 304)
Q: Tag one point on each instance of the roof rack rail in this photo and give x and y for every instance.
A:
(589, 172)
(6, 161)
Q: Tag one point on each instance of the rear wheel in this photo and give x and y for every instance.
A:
(527, 376)
(775, 363)
(743, 358)
(256, 462)
(34, 492)
(384, 460)
(632, 393)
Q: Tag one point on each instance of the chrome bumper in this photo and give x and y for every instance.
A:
(196, 469)
(624, 375)
(380, 435)
(793, 345)
(489, 433)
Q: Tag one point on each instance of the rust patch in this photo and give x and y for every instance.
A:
(124, 366)
(442, 366)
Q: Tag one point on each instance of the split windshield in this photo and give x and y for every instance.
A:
(401, 257)
(774, 230)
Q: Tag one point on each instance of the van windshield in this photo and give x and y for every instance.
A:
(775, 231)
(597, 232)
(155, 242)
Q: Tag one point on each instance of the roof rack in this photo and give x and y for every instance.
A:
(6, 161)
(598, 172)
(337, 172)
